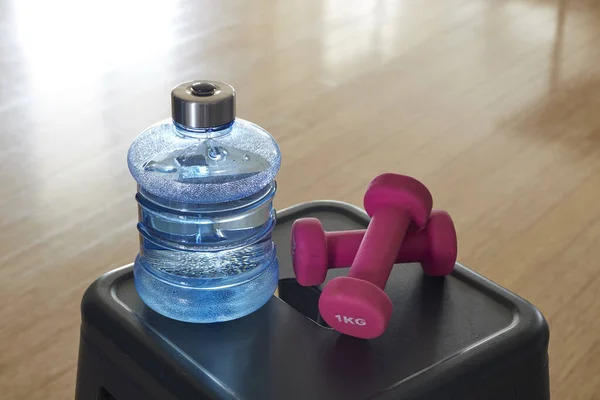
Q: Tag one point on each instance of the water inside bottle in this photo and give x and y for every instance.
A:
(205, 242)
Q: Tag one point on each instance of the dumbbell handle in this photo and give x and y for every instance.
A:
(342, 247)
(377, 252)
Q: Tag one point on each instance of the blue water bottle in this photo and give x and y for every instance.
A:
(205, 199)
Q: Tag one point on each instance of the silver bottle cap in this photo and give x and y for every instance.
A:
(203, 104)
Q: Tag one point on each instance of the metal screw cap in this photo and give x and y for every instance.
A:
(203, 104)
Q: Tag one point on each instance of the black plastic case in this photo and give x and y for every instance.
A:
(461, 337)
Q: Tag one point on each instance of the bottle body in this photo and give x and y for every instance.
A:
(206, 264)
(205, 200)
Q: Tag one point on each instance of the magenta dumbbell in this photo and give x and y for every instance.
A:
(356, 304)
(314, 251)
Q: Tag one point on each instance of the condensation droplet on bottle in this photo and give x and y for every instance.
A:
(246, 157)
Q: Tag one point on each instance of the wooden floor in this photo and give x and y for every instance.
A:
(494, 104)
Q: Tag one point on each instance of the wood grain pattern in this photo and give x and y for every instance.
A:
(493, 104)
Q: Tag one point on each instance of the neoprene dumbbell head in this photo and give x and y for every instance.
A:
(309, 251)
(400, 192)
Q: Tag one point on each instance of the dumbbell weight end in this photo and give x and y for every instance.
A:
(342, 305)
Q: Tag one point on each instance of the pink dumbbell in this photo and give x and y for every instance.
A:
(314, 251)
(356, 304)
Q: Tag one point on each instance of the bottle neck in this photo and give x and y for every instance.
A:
(203, 133)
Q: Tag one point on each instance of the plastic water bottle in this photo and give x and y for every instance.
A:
(205, 199)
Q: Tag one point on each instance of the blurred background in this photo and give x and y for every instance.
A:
(493, 104)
